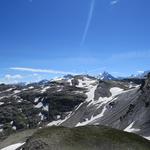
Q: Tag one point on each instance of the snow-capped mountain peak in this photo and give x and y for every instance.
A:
(106, 76)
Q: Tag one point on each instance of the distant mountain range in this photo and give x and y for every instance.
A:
(107, 76)
(75, 101)
(140, 75)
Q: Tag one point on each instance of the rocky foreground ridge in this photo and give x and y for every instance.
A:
(84, 138)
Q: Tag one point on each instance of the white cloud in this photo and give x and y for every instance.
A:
(140, 71)
(8, 78)
(114, 2)
(13, 77)
(41, 70)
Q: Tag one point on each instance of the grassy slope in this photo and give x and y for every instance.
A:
(86, 138)
(18, 137)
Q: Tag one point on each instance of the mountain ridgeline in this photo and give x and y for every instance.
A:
(80, 106)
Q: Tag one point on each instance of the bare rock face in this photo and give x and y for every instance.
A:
(145, 88)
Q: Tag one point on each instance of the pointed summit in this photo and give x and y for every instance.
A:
(106, 76)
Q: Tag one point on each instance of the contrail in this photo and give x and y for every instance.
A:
(90, 15)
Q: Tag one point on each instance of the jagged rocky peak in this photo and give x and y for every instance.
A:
(106, 76)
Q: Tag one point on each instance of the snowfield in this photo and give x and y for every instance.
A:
(148, 138)
(13, 147)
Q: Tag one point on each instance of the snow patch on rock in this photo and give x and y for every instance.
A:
(101, 102)
(17, 91)
(1, 103)
(39, 105)
(45, 89)
(147, 137)
(131, 129)
(13, 147)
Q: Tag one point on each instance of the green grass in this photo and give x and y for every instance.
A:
(89, 138)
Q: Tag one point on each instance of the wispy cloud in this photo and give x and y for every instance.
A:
(114, 2)
(90, 15)
(41, 70)
(8, 78)
(16, 78)
(30, 1)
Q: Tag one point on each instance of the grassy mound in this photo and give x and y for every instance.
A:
(85, 138)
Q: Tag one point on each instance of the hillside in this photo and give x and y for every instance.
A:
(85, 138)
(74, 101)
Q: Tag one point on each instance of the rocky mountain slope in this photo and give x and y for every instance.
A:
(75, 101)
(32, 105)
(117, 105)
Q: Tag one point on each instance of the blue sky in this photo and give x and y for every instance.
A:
(47, 38)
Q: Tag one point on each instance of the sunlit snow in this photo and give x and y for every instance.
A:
(131, 129)
(13, 147)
